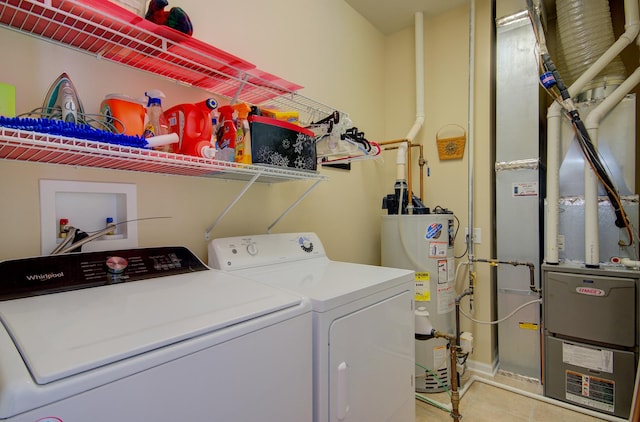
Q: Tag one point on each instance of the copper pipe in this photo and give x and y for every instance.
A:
(455, 394)
(421, 163)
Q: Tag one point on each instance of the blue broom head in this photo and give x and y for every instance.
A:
(71, 130)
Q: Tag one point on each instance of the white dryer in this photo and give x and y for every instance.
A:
(363, 322)
(149, 335)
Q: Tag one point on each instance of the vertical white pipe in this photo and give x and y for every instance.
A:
(419, 53)
(554, 153)
(417, 125)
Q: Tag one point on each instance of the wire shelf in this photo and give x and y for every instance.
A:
(43, 148)
(105, 30)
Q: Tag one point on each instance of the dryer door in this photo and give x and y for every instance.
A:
(371, 363)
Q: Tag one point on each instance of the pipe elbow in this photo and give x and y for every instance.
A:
(592, 122)
(630, 263)
(417, 125)
(554, 111)
(631, 31)
(632, 20)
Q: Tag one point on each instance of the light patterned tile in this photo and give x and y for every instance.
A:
(487, 403)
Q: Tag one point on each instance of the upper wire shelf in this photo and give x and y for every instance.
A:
(105, 30)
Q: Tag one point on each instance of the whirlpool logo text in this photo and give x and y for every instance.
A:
(44, 277)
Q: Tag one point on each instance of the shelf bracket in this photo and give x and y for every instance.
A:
(293, 205)
(243, 78)
(226, 210)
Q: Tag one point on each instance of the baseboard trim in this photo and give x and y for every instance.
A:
(489, 370)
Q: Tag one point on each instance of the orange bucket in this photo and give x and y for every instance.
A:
(125, 114)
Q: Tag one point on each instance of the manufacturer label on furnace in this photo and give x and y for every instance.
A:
(590, 291)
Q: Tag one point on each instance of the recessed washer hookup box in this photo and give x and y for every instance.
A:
(283, 144)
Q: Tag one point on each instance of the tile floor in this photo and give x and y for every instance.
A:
(483, 402)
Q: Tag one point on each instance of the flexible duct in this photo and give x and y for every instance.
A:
(584, 33)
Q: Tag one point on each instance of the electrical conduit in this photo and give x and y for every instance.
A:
(470, 160)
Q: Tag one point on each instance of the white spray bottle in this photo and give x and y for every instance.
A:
(157, 123)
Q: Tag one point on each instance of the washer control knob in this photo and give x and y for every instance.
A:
(252, 249)
(116, 264)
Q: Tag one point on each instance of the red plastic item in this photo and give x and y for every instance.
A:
(192, 123)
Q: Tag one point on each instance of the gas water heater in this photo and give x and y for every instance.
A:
(424, 243)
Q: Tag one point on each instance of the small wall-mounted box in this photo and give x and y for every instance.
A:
(87, 206)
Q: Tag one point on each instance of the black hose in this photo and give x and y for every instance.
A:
(597, 166)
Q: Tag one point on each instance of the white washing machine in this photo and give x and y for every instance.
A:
(363, 322)
(149, 335)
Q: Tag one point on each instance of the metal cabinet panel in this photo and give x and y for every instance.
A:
(598, 308)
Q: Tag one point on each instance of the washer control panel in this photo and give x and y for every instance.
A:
(234, 253)
(56, 273)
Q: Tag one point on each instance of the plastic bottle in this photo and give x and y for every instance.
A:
(243, 136)
(226, 134)
(192, 123)
(157, 122)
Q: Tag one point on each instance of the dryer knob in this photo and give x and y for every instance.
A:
(306, 245)
(252, 249)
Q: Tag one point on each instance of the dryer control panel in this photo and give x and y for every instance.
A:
(234, 253)
(57, 273)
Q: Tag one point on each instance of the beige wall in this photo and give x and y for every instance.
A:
(342, 61)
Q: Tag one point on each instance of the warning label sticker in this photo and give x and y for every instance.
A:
(528, 326)
(422, 288)
(438, 249)
(591, 391)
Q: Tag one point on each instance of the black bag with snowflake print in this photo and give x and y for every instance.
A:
(283, 144)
